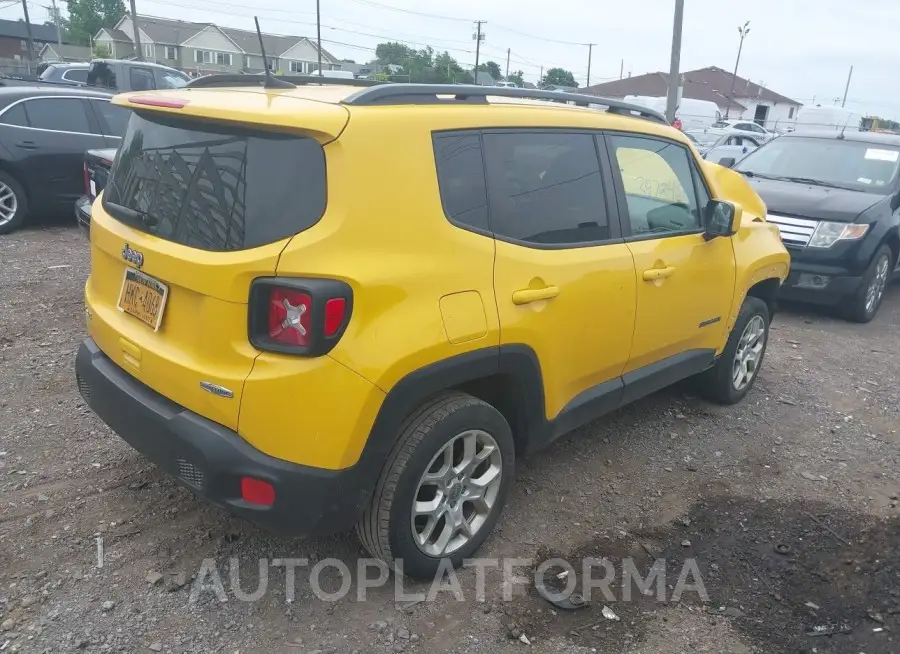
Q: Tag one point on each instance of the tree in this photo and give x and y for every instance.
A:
(87, 17)
(422, 66)
(101, 51)
(491, 67)
(516, 78)
(559, 77)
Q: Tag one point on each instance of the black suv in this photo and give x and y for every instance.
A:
(835, 197)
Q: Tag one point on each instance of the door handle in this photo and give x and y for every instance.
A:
(528, 295)
(27, 145)
(658, 273)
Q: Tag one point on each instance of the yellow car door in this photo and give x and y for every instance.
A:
(563, 277)
(685, 283)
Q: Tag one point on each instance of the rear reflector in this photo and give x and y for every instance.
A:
(257, 491)
(335, 308)
(158, 102)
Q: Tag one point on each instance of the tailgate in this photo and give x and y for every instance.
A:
(192, 213)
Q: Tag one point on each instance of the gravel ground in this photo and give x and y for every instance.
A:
(785, 507)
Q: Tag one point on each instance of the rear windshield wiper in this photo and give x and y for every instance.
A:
(132, 215)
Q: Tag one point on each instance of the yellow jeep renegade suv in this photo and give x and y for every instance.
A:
(327, 305)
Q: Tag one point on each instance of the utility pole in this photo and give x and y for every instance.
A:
(674, 65)
(622, 69)
(137, 32)
(318, 35)
(847, 88)
(508, 50)
(541, 78)
(478, 37)
(590, 52)
(55, 12)
(743, 31)
(28, 31)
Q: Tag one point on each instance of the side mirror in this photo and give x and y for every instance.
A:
(721, 218)
(728, 162)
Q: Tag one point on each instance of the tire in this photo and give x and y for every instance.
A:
(718, 383)
(386, 527)
(11, 192)
(857, 307)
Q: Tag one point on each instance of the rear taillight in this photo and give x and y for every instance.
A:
(257, 491)
(87, 182)
(298, 316)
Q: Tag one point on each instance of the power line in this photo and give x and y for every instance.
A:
(527, 35)
(410, 11)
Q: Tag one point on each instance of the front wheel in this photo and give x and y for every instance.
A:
(864, 303)
(443, 487)
(735, 372)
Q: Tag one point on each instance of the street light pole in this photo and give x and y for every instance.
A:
(743, 31)
(674, 77)
(318, 36)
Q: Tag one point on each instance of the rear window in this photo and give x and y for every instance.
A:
(215, 187)
(101, 74)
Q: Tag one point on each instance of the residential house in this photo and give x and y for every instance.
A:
(203, 48)
(14, 39)
(560, 88)
(65, 52)
(749, 101)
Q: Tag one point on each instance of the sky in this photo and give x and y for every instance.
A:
(800, 48)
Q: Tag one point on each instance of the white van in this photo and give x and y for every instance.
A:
(694, 114)
(826, 118)
(343, 74)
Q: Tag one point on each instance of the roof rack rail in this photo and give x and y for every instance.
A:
(240, 79)
(386, 94)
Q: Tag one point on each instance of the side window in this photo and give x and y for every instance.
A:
(58, 114)
(659, 185)
(756, 128)
(142, 79)
(461, 178)
(113, 117)
(545, 187)
(169, 80)
(76, 75)
(15, 116)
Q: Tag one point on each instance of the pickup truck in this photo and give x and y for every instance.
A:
(97, 164)
(115, 75)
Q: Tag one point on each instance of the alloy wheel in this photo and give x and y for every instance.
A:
(457, 492)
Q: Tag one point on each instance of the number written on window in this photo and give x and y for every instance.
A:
(659, 185)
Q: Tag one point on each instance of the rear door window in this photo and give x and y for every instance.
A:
(215, 187)
(58, 115)
(101, 74)
(142, 79)
(170, 79)
(545, 187)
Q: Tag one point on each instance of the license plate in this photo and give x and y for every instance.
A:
(143, 297)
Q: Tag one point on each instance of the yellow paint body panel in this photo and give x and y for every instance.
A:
(424, 290)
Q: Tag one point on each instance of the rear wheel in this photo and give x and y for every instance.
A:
(13, 204)
(735, 372)
(443, 487)
(864, 303)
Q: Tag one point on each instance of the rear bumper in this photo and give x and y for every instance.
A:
(83, 215)
(210, 459)
(832, 283)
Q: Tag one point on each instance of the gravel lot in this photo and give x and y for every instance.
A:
(786, 504)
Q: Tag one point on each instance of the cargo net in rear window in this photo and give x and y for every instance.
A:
(216, 188)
